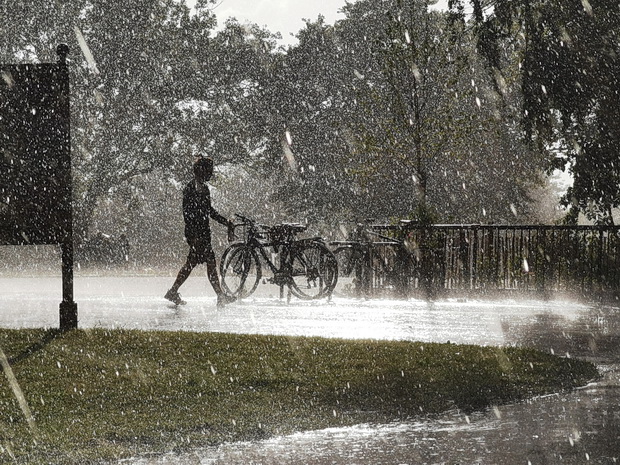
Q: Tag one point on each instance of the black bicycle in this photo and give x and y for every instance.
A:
(306, 266)
(371, 259)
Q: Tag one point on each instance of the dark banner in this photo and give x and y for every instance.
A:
(35, 166)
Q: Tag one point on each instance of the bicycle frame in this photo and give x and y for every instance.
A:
(253, 240)
(306, 266)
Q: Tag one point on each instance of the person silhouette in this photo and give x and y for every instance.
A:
(197, 210)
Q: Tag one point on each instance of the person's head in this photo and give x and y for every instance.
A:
(203, 168)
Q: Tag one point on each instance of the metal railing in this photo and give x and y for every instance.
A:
(440, 259)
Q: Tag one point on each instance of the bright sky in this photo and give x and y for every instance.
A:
(284, 16)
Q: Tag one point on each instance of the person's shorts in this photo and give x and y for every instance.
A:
(200, 250)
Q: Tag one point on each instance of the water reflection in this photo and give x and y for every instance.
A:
(594, 334)
(572, 428)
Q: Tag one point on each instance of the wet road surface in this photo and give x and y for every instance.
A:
(137, 303)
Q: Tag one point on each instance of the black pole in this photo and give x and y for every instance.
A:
(68, 308)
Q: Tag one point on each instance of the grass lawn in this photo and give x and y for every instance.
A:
(93, 395)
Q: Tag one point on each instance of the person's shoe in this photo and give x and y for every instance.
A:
(174, 297)
(224, 299)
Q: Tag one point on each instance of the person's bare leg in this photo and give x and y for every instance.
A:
(214, 279)
(183, 274)
(173, 293)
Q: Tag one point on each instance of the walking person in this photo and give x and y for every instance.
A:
(197, 210)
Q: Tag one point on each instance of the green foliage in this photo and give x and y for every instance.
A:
(384, 111)
(389, 109)
(569, 78)
(158, 90)
(107, 394)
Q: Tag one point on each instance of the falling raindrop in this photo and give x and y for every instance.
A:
(513, 209)
(86, 50)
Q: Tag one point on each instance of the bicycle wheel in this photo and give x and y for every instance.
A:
(331, 271)
(347, 258)
(314, 271)
(240, 270)
(355, 269)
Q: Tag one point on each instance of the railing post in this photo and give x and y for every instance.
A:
(426, 264)
(402, 273)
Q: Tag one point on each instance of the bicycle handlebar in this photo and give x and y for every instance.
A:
(286, 228)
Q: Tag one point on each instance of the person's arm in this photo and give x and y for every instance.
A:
(219, 218)
(213, 213)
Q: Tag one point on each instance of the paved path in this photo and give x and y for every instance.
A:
(137, 303)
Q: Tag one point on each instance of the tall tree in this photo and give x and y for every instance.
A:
(389, 113)
(402, 88)
(308, 96)
(570, 75)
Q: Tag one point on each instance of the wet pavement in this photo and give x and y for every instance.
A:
(579, 427)
(137, 303)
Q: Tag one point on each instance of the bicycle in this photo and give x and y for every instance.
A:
(306, 266)
(373, 260)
